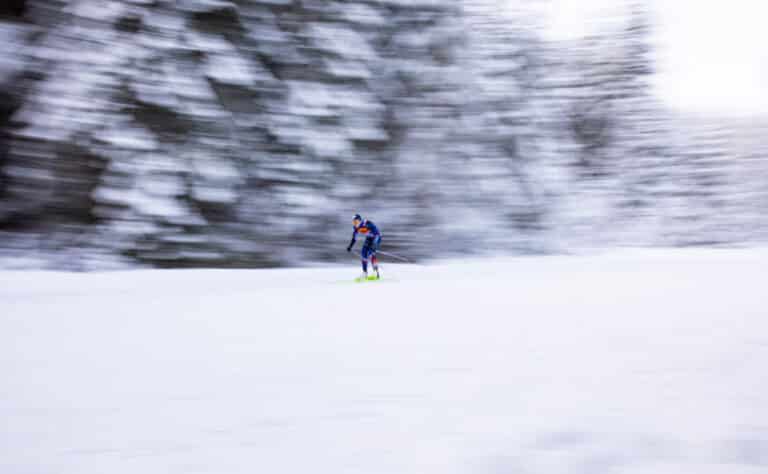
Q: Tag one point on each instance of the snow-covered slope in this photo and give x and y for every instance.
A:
(632, 363)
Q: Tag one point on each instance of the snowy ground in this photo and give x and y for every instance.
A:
(643, 362)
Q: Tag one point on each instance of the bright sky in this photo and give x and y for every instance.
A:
(712, 54)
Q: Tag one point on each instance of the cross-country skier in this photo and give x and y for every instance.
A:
(367, 229)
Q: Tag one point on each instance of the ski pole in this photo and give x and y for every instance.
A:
(394, 256)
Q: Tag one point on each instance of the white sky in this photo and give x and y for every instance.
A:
(712, 54)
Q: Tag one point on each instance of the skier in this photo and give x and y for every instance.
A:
(372, 243)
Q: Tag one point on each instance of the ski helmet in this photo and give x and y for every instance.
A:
(357, 218)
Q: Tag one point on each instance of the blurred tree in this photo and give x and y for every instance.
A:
(498, 140)
(13, 8)
(245, 133)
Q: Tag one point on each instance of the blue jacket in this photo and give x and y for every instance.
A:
(368, 230)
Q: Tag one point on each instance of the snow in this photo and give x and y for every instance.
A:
(634, 362)
(207, 5)
(323, 141)
(130, 137)
(347, 69)
(340, 40)
(208, 42)
(163, 184)
(156, 92)
(162, 207)
(365, 129)
(360, 13)
(98, 10)
(191, 87)
(11, 62)
(235, 70)
(311, 99)
(215, 169)
(214, 194)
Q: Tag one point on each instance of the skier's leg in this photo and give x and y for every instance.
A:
(374, 259)
(375, 263)
(364, 258)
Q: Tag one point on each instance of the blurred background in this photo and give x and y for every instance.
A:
(213, 133)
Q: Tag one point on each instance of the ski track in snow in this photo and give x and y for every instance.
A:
(631, 362)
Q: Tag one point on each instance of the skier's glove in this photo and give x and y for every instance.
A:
(349, 249)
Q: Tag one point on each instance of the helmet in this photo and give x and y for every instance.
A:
(356, 219)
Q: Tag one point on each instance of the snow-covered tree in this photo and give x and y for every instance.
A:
(246, 133)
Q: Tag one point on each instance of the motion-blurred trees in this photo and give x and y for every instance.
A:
(245, 133)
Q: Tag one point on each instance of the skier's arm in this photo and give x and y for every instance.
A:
(352, 242)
